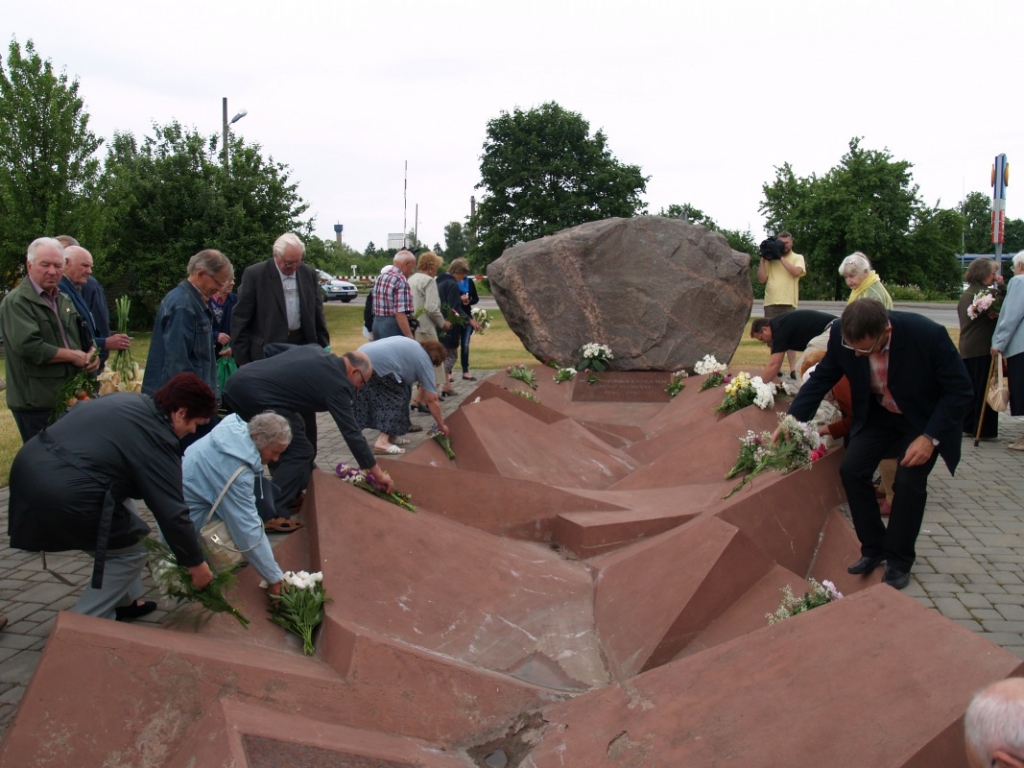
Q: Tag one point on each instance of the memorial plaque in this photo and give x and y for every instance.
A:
(623, 387)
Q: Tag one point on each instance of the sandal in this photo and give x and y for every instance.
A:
(281, 525)
(400, 441)
(391, 450)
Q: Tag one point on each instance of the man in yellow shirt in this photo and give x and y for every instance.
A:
(781, 279)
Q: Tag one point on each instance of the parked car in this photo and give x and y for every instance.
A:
(339, 289)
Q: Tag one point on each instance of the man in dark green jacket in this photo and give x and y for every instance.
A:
(42, 339)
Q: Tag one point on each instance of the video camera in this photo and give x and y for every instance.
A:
(771, 249)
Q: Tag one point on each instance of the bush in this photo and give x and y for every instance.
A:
(906, 293)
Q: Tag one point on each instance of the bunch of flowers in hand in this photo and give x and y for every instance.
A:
(443, 440)
(675, 384)
(564, 374)
(480, 315)
(987, 302)
(175, 581)
(714, 370)
(790, 451)
(745, 390)
(791, 605)
(453, 316)
(361, 478)
(523, 374)
(593, 360)
(300, 606)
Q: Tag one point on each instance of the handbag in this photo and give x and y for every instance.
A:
(998, 393)
(221, 551)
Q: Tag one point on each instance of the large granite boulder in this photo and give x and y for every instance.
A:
(661, 292)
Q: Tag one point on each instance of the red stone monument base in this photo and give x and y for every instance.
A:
(575, 590)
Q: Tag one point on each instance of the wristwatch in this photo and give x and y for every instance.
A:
(935, 443)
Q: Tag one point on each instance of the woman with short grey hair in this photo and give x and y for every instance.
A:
(211, 468)
(1008, 340)
(863, 281)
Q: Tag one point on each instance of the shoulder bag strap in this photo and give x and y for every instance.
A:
(224, 490)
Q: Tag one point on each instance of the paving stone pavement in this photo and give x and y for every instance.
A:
(968, 567)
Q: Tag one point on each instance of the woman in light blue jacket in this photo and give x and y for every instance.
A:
(208, 466)
(1008, 340)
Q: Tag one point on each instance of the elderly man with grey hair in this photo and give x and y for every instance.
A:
(182, 340)
(279, 302)
(994, 726)
(46, 340)
(392, 298)
(224, 467)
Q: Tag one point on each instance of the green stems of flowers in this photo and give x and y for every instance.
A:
(175, 581)
(300, 606)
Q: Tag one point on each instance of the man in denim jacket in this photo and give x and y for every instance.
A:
(183, 330)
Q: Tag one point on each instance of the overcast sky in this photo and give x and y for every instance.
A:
(706, 97)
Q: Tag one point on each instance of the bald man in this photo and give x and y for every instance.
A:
(77, 272)
(392, 298)
(994, 726)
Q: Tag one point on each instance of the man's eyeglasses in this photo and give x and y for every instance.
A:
(362, 379)
(863, 351)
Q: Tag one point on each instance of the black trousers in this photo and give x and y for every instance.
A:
(292, 471)
(30, 423)
(886, 434)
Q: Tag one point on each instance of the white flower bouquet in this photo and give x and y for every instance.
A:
(300, 606)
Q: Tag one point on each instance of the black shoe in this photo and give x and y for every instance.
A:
(134, 611)
(895, 578)
(865, 565)
(421, 409)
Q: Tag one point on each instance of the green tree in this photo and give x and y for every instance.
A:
(866, 203)
(48, 163)
(976, 210)
(170, 197)
(690, 213)
(456, 241)
(542, 171)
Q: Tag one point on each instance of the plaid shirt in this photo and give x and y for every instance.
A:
(879, 362)
(391, 294)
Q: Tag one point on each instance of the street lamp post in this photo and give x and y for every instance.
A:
(227, 122)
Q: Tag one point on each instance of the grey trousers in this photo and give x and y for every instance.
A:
(122, 583)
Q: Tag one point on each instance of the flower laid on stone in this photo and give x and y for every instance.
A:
(987, 302)
(300, 606)
(791, 605)
(745, 390)
(593, 360)
(526, 395)
(361, 478)
(675, 384)
(523, 374)
(564, 374)
(443, 440)
(791, 451)
(481, 316)
(714, 370)
(175, 582)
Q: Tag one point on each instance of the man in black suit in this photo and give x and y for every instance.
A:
(910, 392)
(279, 302)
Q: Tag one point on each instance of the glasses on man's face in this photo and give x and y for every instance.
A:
(863, 351)
(362, 379)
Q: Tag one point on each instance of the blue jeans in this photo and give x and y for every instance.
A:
(467, 331)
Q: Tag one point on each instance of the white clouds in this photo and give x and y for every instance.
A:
(706, 97)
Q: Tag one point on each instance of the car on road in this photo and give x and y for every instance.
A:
(335, 288)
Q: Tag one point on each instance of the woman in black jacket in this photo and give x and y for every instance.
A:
(72, 487)
(451, 302)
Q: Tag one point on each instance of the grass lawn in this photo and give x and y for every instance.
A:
(497, 348)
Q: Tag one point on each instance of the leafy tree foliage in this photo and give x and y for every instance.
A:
(543, 172)
(866, 203)
(457, 242)
(170, 198)
(48, 167)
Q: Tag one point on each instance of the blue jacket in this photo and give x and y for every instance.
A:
(182, 340)
(208, 464)
(1008, 337)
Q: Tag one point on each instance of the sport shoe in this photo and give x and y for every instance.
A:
(1017, 445)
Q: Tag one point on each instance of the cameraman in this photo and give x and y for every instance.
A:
(781, 279)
